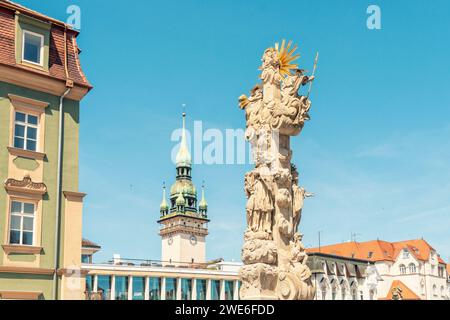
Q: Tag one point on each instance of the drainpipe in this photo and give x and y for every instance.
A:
(58, 193)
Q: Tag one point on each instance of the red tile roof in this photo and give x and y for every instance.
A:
(85, 243)
(407, 293)
(57, 56)
(378, 250)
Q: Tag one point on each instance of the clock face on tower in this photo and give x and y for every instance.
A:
(170, 241)
(193, 240)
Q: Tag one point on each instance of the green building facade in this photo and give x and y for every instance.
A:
(41, 86)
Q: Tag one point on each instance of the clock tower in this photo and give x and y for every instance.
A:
(183, 221)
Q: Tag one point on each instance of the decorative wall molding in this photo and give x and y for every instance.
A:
(26, 153)
(26, 185)
(27, 102)
(11, 248)
(26, 270)
(20, 295)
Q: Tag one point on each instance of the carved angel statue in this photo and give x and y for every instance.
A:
(252, 105)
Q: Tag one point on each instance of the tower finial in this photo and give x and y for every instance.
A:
(203, 205)
(164, 206)
(183, 156)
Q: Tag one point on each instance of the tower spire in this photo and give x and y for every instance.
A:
(203, 205)
(183, 156)
(164, 207)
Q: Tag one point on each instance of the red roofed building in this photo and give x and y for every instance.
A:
(413, 262)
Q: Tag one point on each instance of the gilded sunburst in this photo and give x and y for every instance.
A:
(287, 55)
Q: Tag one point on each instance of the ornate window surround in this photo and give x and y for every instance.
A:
(24, 190)
(28, 106)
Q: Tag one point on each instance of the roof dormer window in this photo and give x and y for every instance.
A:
(405, 254)
(33, 47)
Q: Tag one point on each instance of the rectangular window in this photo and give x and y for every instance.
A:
(138, 288)
(154, 288)
(201, 289)
(25, 131)
(85, 258)
(33, 47)
(121, 287)
(104, 287)
(229, 290)
(171, 289)
(22, 223)
(89, 283)
(215, 289)
(186, 289)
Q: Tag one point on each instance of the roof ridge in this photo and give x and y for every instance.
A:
(16, 6)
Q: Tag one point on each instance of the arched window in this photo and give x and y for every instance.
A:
(434, 290)
(412, 268)
(442, 291)
(402, 269)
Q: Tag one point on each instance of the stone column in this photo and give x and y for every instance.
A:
(163, 288)
(147, 289)
(273, 253)
(194, 289)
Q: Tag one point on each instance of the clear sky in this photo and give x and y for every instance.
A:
(376, 151)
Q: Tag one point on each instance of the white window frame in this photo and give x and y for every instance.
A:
(22, 215)
(41, 54)
(26, 125)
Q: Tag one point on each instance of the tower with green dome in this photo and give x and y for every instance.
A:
(183, 221)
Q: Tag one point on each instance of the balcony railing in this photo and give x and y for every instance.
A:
(211, 265)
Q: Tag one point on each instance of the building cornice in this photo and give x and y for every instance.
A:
(74, 196)
(41, 81)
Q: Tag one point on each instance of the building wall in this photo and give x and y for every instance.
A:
(421, 282)
(182, 250)
(44, 171)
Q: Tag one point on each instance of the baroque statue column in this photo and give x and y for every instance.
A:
(273, 253)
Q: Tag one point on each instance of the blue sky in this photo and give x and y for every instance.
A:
(376, 152)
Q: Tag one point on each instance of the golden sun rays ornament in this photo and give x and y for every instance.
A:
(287, 55)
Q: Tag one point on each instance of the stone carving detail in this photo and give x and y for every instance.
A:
(397, 293)
(25, 185)
(273, 253)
